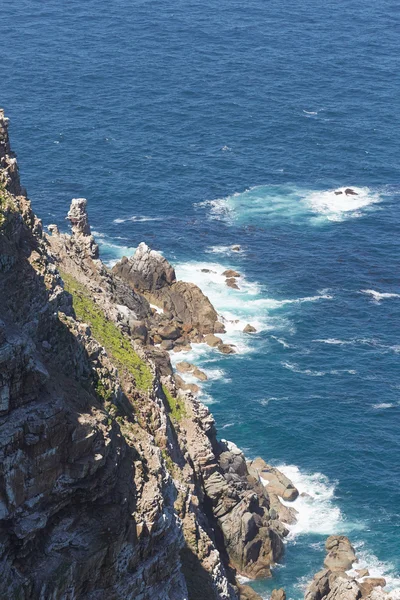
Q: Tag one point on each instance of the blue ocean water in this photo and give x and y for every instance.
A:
(194, 126)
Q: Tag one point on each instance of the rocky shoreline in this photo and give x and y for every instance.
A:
(114, 483)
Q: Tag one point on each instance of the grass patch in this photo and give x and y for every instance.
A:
(108, 334)
(169, 463)
(177, 408)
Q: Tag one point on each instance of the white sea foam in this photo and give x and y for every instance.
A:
(383, 405)
(337, 206)
(312, 373)
(317, 512)
(225, 250)
(376, 567)
(137, 219)
(273, 202)
(377, 297)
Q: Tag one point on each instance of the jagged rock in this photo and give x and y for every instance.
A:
(278, 594)
(148, 272)
(249, 329)
(78, 217)
(236, 248)
(350, 192)
(333, 583)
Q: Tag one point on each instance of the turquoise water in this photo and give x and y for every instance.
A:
(194, 126)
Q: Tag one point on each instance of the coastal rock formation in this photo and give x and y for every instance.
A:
(113, 482)
(338, 581)
(150, 274)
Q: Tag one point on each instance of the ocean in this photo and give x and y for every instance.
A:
(195, 126)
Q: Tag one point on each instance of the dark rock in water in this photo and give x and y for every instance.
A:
(236, 248)
(278, 594)
(249, 329)
(350, 192)
(226, 349)
(338, 193)
(230, 273)
(231, 282)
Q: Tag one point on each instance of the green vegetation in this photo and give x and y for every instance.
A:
(176, 406)
(169, 463)
(108, 335)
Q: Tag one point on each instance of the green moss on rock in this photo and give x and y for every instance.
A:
(108, 335)
(176, 406)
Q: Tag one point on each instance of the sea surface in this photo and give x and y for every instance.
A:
(194, 126)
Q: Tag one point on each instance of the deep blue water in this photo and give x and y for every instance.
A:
(228, 123)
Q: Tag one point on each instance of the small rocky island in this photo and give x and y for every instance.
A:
(114, 484)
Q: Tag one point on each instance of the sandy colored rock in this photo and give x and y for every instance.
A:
(370, 583)
(212, 340)
(249, 329)
(274, 481)
(230, 273)
(231, 282)
(226, 349)
(278, 594)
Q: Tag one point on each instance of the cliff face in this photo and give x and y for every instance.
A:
(112, 481)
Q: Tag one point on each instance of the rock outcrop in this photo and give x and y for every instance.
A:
(113, 483)
(150, 274)
(339, 581)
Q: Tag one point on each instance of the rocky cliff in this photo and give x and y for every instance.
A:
(113, 483)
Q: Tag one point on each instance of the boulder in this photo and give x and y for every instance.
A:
(350, 192)
(226, 349)
(274, 481)
(249, 329)
(362, 572)
(236, 248)
(185, 367)
(200, 375)
(230, 273)
(212, 340)
(231, 282)
(219, 327)
(340, 553)
(169, 332)
(279, 594)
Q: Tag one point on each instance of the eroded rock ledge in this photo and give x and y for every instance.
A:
(113, 483)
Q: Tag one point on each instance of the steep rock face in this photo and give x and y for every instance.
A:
(112, 482)
(86, 512)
